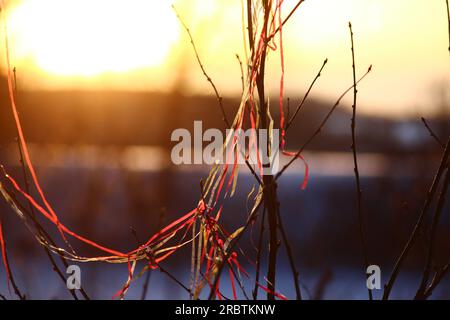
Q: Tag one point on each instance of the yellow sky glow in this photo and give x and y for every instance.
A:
(139, 45)
(90, 37)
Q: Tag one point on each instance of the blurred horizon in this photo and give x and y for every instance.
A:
(141, 46)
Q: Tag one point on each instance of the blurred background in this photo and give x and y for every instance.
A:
(102, 84)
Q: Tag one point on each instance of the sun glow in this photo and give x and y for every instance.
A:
(90, 37)
(140, 45)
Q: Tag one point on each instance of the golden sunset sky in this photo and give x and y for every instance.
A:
(140, 45)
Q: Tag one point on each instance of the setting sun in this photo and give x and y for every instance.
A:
(90, 37)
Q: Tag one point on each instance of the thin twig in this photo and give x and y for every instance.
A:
(32, 215)
(145, 286)
(438, 276)
(270, 188)
(288, 112)
(224, 256)
(15, 79)
(221, 250)
(414, 234)
(45, 235)
(448, 17)
(251, 39)
(172, 277)
(231, 247)
(147, 276)
(285, 20)
(47, 239)
(295, 273)
(218, 96)
(321, 126)
(258, 254)
(8, 267)
(150, 257)
(306, 95)
(242, 71)
(355, 162)
(208, 78)
(436, 218)
(432, 134)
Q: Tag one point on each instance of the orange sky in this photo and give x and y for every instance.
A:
(139, 45)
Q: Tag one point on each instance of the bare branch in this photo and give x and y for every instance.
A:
(295, 273)
(259, 254)
(355, 162)
(438, 276)
(432, 134)
(448, 17)
(232, 246)
(305, 96)
(162, 216)
(414, 234)
(286, 19)
(251, 39)
(208, 78)
(321, 126)
(436, 218)
(7, 265)
(31, 214)
(242, 71)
